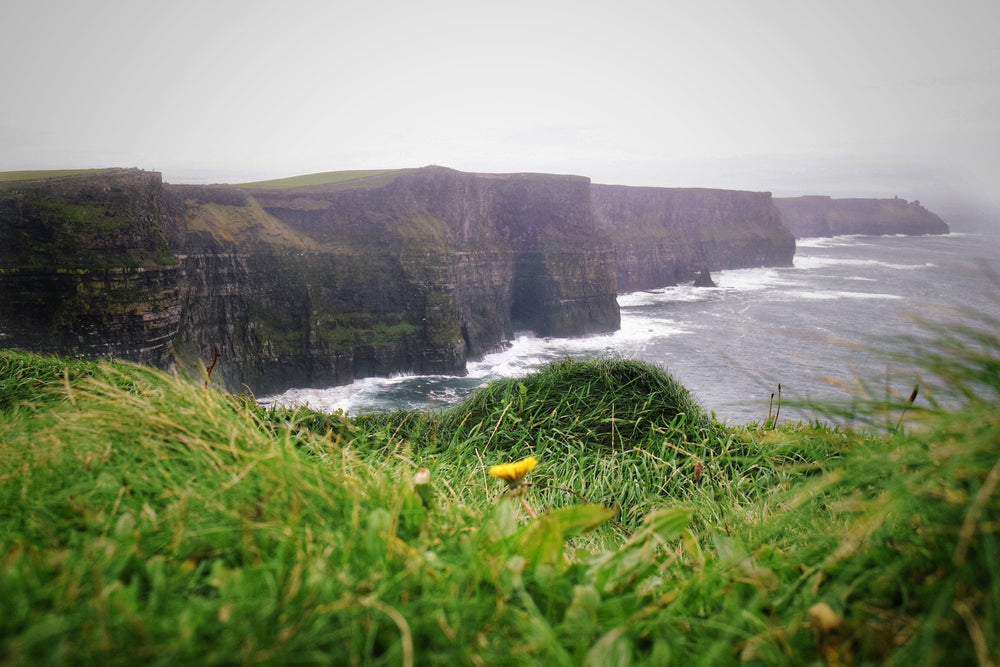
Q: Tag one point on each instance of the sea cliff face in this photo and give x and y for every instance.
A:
(503, 251)
(665, 236)
(410, 271)
(824, 216)
(294, 305)
(86, 267)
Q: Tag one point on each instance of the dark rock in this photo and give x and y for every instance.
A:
(704, 279)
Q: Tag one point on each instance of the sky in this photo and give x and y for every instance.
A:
(846, 98)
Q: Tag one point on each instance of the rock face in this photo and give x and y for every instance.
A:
(518, 250)
(413, 271)
(86, 267)
(823, 216)
(665, 236)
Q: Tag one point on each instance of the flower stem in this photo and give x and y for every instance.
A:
(527, 507)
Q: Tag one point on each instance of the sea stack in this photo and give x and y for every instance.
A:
(704, 279)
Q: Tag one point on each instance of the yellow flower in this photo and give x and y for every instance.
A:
(513, 473)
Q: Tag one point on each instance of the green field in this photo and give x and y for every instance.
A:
(324, 178)
(145, 518)
(38, 174)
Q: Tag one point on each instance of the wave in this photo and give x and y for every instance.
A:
(832, 241)
(747, 280)
(330, 399)
(812, 262)
(646, 298)
(753, 279)
(820, 295)
(521, 354)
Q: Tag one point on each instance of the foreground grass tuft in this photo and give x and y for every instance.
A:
(607, 403)
(148, 519)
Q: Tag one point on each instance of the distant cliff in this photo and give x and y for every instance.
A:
(665, 236)
(824, 216)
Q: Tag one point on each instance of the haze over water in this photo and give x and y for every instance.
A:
(812, 327)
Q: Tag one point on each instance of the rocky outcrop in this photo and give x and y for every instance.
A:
(824, 216)
(665, 236)
(704, 279)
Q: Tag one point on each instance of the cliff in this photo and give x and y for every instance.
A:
(407, 271)
(317, 281)
(665, 236)
(86, 267)
(823, 216)
(519, 250)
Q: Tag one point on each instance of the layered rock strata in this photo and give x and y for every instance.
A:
(408, 271)
(86, 267)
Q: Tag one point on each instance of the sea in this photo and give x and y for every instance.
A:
(818, 329)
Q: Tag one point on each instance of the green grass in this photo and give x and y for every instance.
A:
(147, 519)
(37, 174)
(245, 225)
(323, 178)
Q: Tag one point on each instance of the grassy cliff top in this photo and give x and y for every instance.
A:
(145, 518)
(312, 180)
(244, 225)
(39, 174)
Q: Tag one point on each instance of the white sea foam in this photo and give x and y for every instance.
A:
(666, 295)
(811, 263)
(520, 355)
(831, 241)
(646, 298)
(730, 279)
(837, 294)
(330, 399)
(749, 279)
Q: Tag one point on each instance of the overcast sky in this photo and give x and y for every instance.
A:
(852, 97)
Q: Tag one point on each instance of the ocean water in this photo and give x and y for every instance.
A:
(810, 327)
